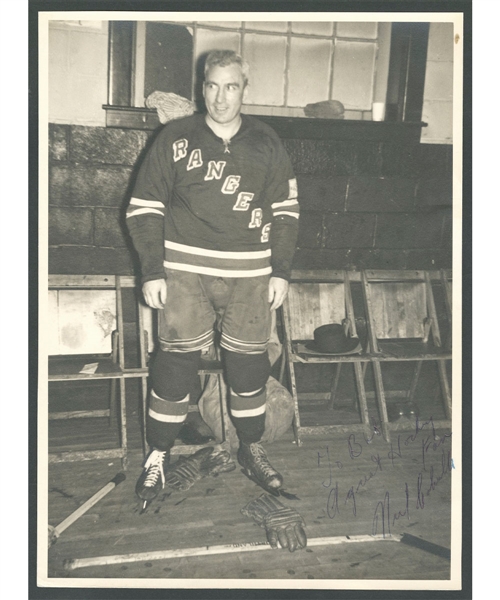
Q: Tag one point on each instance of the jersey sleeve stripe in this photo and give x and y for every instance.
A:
(131, 212)
(291, 202)
(150, 203)
(285, 212)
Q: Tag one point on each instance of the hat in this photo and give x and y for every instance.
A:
(331, 339)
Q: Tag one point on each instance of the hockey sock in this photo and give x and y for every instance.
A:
(164, 420)
(248, 412)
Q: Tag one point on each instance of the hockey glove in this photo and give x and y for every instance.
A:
(282, 523)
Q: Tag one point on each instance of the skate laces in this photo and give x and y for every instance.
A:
(154, 466)
(261, 459)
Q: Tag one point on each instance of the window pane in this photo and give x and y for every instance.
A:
(309, 72)
(207, 40)
(267, 25)
(357, 30)
(353, 71)
(169, 59)
(266, 56)
(314, 28)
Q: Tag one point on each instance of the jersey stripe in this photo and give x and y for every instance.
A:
(217, 263)
(217, 253)
(217, 272)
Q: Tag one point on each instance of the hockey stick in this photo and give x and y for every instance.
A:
(55, 532)
(77, 563)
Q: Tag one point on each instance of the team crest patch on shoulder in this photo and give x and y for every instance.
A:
(292, 188)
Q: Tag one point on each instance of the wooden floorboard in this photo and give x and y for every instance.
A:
(347, 485)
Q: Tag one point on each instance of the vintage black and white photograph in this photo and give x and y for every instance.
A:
(307, 434)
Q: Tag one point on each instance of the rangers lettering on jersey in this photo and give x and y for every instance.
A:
(256, 220)
(180, 149)
(231, 184)
(215, 170)
(195, 160)
(215, 211)
(243, 202)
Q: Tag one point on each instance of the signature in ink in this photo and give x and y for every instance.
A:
(333, 496)
(382, 520)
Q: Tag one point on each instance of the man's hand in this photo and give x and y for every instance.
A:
(278, 289)
(155, 293)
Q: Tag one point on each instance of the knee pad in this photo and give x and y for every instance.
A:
(174, 374)
(246, 372)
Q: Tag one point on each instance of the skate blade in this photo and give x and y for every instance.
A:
(144, 507)
(273, 491)
(288, 495)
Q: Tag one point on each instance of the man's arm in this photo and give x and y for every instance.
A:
(284, 233)
(283, 194)
(146, 212)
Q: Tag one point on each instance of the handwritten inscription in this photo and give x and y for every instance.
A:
(434, 465)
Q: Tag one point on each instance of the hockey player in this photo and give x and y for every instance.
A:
(214, 219)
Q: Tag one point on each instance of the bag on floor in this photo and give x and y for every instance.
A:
(279, 411)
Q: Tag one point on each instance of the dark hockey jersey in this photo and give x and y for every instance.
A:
(203, 205)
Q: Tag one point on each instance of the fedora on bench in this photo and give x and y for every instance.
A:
(331, 339)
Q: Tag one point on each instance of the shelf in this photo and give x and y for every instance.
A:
(287, 127)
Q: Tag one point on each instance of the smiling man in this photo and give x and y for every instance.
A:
(214, 219)
(224, 91)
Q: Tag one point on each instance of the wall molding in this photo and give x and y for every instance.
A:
(287, 127)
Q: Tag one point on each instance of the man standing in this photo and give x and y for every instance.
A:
(214, 219)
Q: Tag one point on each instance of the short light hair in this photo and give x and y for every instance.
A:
(225, 58)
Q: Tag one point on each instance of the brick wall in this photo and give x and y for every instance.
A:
(90, 175)
(373, 204)
(364, 204)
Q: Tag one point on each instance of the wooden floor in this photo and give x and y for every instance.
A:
(347, 486)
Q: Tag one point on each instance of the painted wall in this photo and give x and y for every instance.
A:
(78, 72)
(437, 110)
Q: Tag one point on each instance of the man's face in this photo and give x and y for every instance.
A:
(224, 91)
